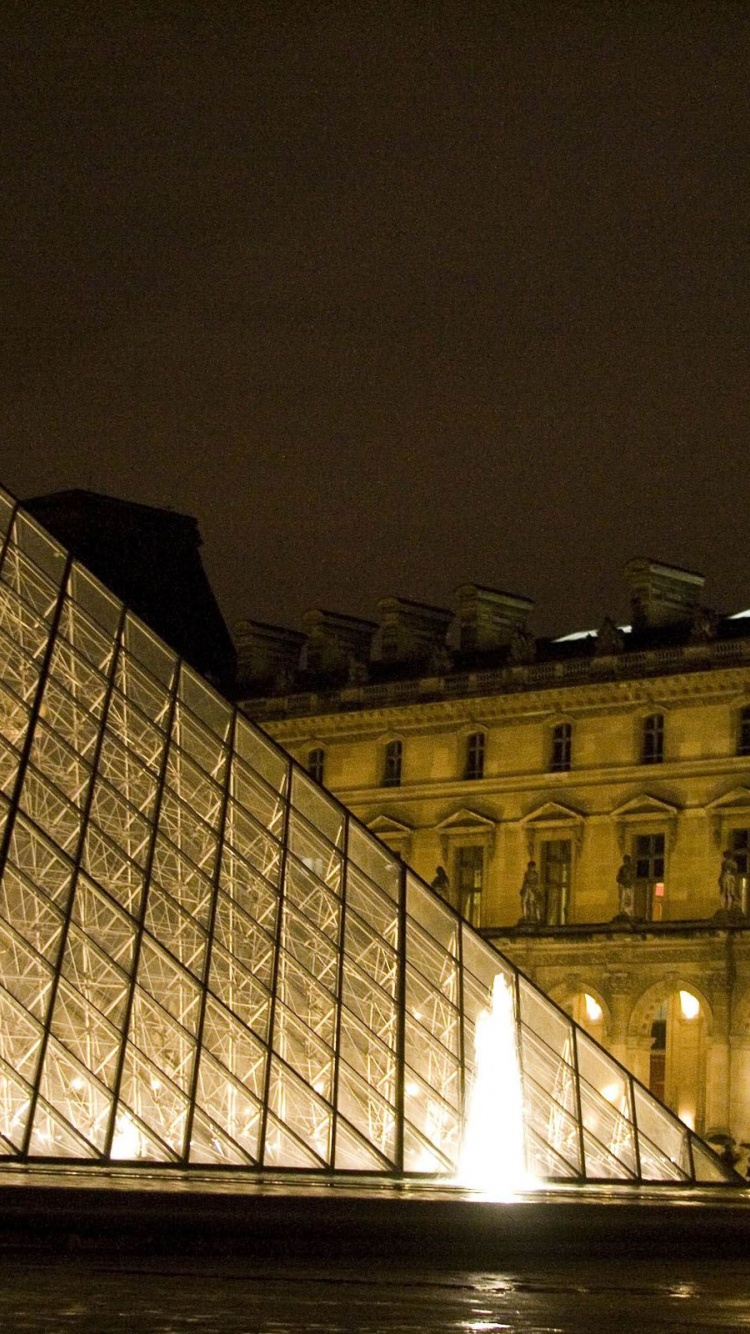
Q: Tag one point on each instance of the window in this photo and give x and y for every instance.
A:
(649, 876)
(469, 876)
(561, 739)
(555, 875)
(652, 751)
(474, 756)
(392, 764)
(739, 843)
(743, 733)
(316, 764)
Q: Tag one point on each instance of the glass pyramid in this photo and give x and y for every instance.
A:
(204, 959)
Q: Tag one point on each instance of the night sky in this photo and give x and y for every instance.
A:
(390, 296)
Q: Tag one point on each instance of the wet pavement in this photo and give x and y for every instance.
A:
(601, 1298)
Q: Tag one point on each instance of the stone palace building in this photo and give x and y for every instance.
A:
(490, 759)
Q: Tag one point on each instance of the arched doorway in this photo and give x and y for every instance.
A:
(675, 1024)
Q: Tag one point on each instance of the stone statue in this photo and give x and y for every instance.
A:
(531, 896)
(626, 886)
(610, 638)
(441, 882)
(729, 884)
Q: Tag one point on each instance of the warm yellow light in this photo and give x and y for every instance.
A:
(612, 1092)
(411, 1089)
(593, 1009)
(493, 1156)
(689, 1005)
(688, 1118)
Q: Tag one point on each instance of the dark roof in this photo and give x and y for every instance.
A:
(150, 558)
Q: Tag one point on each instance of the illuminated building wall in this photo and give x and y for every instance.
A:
(205, 959)
(484, 748)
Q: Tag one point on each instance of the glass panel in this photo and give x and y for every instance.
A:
(144, 646)
(95, 599)
(261, 755)
(437, 966)
(299, 1108)
(377, 861)
(75, 1094)
(229, 1105)
(320, 810)
(433, 916)
(663, 1130)
(315, 853)
(253, 794)
(39, 546)
(208, 1145)
(353, 1155)
(707, 1166)
(53, 1137)
(381, 913)
(161, 1107)
(361, 1103)
(204, 702)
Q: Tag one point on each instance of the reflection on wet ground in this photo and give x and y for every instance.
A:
(601, 1298)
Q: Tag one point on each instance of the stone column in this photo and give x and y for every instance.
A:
(621, 1004)
(739, 1088)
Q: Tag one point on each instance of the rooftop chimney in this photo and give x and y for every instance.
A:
(409, 631)
(333, 639)
(265, 652)
(661, 594)
(487, 618)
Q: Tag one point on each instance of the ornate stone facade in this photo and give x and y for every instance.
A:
(572, 754)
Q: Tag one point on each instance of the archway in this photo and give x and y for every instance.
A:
(668, 1030)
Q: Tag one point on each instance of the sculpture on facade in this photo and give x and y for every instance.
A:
(531, 896)
(441, 882)
(626, 887)
(729, 885)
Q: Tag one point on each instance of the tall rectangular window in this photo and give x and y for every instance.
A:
(555, 876)
(743, 732)
(561, 747)
(739, 844)
(469, 878)
(649, 875)
(474, 756)
(392, 764)
(652, 750)
(316, 764)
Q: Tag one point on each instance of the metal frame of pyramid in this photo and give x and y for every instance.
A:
(205, 959)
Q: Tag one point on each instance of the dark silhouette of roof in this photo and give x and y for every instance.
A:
(151, 559)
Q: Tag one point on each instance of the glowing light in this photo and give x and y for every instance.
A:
(493, 1156)
(612, 1092)
(688, 1118)
(126, 1142)
(411, 1089)
(77, 1083)
(593, 1009)
(689, 1005)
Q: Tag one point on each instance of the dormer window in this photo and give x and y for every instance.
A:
(316, 764)
(652, 751)
(392, 764)
(562, 735)
(474, 767)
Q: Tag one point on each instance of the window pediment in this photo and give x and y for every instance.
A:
(654, 813)
(725, 811)
(644, 805)
(553, 816)
(394, 833)
(465, 824)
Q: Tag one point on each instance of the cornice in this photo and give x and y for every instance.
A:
(713, 684)
(559, 787)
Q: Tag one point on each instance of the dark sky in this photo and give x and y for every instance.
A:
(390, 296)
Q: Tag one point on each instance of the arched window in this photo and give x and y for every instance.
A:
(316, 764)
(474, 767)
(392, 758)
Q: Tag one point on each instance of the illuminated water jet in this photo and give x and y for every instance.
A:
(493, 1152)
